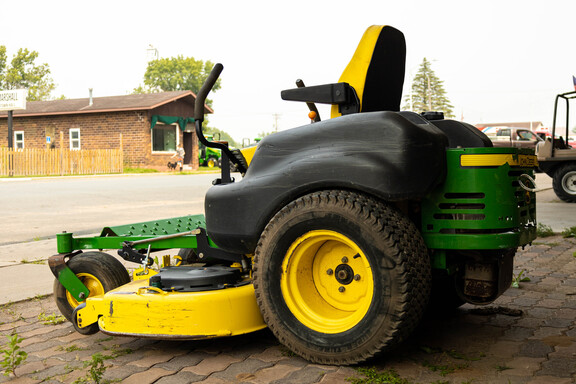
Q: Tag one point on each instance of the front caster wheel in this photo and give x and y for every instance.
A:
(341, 277)
(98, 271)
(90, 329)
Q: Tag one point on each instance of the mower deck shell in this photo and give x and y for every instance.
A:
(136, 309)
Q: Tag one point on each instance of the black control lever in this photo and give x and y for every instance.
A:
(311, 106)
(227, 154)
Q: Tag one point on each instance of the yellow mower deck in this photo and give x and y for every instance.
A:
(136, 309)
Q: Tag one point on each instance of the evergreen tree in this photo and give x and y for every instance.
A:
(428, 93)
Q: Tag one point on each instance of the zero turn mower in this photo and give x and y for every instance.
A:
(338, 236)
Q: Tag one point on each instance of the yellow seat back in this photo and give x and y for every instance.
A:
(376, 70)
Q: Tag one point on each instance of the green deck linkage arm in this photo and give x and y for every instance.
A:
(67, 277)
(68, 243)
(115, 237)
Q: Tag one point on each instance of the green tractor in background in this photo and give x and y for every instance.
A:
(207, 156)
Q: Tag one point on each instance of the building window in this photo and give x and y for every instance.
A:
(164, 138)
(18, 139)
(75, 138)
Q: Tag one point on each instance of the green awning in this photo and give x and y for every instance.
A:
(182, 121)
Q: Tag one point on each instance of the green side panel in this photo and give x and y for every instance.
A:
(113, 237)
(481, 207)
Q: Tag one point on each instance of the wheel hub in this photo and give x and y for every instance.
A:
(94, 286)
(344, 274)
(321, 281)
(569, 182)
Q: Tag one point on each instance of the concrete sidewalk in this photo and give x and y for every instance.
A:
(527, 336)
(24, 269)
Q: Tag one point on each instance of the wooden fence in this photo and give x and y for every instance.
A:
(46, 162)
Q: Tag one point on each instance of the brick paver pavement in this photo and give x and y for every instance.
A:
(527, 336)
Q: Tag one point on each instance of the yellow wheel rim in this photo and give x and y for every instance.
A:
(327, 282)
(92, 283)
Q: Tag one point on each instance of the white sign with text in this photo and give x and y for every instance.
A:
(13, 99)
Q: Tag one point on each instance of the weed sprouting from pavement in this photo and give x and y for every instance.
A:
(517, 279)
(543, 230)
(372, 376)
(569, 232)
(52, 319)
(13, 355)
(96, 371)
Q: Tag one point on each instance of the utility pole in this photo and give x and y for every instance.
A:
(11, 100)
(151, 53)
(10, 130)
(276, 117)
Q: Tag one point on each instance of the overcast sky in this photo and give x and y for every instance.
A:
(499, 60)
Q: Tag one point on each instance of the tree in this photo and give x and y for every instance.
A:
(176, 74)
(24, 73)
(264, 134)
(428, 93)
(221, 135)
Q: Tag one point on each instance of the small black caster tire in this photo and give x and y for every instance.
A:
(99, 271)
(89, 330)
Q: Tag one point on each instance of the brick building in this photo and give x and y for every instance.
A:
(147, 126)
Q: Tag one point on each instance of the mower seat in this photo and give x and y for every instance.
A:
(376, 70)
(372, 81)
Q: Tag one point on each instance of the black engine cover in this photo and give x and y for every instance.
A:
(392, 155)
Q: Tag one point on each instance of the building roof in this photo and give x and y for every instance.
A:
(525, 124)
(136, 102)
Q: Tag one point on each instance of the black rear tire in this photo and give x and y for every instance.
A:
(564, 182)
(100, 271)
(341, 277)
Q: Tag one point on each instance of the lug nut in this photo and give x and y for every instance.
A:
(341, 289)
(344, 259)
(329, 272)
(356, 277)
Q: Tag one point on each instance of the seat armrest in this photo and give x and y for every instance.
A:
(341, 94)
